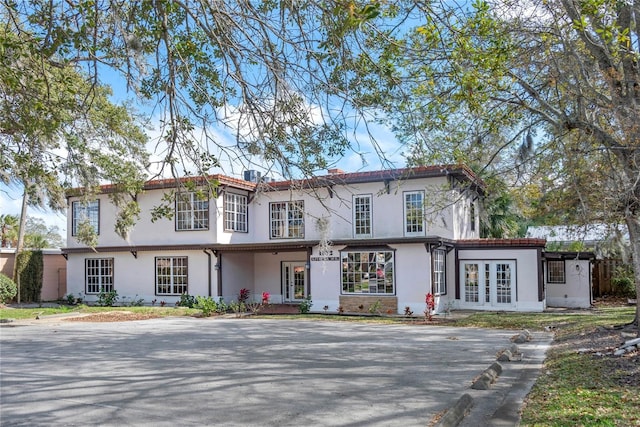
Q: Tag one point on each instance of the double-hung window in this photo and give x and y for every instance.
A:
(235, 212)
(362, 216)
(171, 275)
(439, 272)
(286, 220)
(555, 271)
(414, 213)
(367, 272)
(192, 212)
(85, 212)
(98, 275)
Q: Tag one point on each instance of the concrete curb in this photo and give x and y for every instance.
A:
(456, 413)
(488, 377)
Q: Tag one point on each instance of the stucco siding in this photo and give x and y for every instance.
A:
(134, 278)
(526, 285)
(576, 291)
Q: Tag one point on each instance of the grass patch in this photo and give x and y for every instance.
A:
(576, 390)
(562, 323)
(580, 388)
(31, 313)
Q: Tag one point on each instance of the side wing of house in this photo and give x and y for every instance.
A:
(567, 277)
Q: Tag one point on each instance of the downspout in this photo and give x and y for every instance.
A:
(541, 290)
(206, 251)
(308, 270)
(218, 256)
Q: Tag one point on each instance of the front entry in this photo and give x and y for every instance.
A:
(294, 283)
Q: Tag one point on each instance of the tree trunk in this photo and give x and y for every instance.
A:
(20, 243)
(633, 224)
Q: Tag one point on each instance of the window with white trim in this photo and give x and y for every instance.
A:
(172, 275)
(439, 272)
(192, 212)
(235, 212)
(367, 272)
(286, 220)
(98, 275)
(556, 271)
(82, 212)
(414, 213)
(362, 215)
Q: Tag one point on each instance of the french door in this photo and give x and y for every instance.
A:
(488, 283)
(294, 283)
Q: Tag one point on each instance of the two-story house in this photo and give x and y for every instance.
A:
(348, 240)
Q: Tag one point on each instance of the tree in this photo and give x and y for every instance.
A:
(544, 92)
(8, 230)
(59, 130)
(264, 71)
(39, 236)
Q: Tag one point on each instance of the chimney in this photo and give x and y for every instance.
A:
(335, 171)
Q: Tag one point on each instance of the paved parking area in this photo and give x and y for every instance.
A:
(239, 372)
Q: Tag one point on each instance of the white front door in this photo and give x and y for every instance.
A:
(294, 281)
(488, 283)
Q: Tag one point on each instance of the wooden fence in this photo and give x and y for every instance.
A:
(603, 272)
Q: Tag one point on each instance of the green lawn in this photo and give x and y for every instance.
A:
(31, 313)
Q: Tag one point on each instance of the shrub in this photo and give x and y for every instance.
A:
(305, 305)
(244, 295)
(624, 283)
(107, 299)
(8, 289)
(207, 305)
(222, 307)
(30, 267)
(187, 300)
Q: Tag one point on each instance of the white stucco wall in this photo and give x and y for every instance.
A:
(576, 292)
(145, 232)
(134, 278)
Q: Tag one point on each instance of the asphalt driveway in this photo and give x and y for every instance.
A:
(246, 372)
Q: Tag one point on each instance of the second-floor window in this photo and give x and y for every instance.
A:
(286, 220)
(235, 212)
(414, 213)
(192, 212)
(362, 216)
(85, 212)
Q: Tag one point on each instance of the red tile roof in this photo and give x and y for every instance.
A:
(334, 177)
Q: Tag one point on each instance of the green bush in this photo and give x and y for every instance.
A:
(624, 283)
(305, 305)
(107, 299)
(8, 289)
(187, 300)
(30, 268)
(207, 305)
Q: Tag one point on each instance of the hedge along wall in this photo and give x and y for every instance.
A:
(30, 268)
